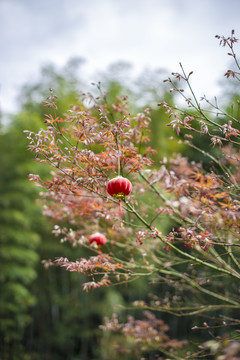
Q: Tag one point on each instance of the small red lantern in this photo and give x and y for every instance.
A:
(119, 187)
(98, 238)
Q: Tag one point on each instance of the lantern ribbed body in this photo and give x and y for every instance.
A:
(98, 238)
(119, 187)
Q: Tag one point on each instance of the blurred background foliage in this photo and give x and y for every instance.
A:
(44, 314)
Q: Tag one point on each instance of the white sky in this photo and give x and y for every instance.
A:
(147, 33)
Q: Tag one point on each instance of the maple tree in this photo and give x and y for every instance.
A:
(198, 256)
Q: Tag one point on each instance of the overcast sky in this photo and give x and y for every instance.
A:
(147, 33)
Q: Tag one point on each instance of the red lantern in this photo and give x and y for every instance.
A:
(119, 187)
(100, 239)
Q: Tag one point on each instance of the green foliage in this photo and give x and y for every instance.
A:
(18, 241)
(64, 81)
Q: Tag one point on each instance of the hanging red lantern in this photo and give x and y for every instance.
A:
(98, 238)
(119, 187)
